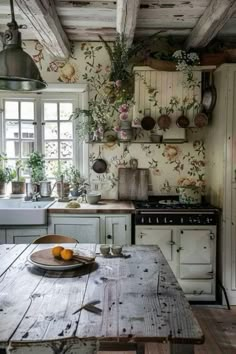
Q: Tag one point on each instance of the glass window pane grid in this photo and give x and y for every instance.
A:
(20, 121)
(59, 160)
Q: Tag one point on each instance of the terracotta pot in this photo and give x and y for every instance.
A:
(164, 121)
(161, 65)
(231, 55)
(213, 58)
(2, 188)
(66, 189)
(18, 187)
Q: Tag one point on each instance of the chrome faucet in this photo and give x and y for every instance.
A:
(35, 197)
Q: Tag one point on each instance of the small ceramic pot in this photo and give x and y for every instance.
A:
(125, 134)
(93, 197)
(190, 195)
(156, 138)
(18, 187)
(116, 250)
(105, 250)
(2, 188)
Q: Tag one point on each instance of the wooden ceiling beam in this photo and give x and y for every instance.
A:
(126, 18)
(41, 17)
(210, 23)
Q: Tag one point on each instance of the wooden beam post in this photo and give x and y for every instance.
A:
(127, 11)
(210, 23)
(41, 17)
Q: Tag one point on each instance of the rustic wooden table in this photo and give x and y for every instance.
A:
(37, 306)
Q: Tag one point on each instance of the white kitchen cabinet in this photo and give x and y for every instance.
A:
(195, 246)
(118, 229)
(24, 235)
(3, 236)
(85, 229)
(191, 253)
(164, 237)
(197, 263)
(103, 228)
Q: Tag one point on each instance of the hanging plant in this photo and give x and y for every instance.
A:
(185, 63)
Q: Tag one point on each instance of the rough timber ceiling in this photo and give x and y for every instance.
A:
(84, 19)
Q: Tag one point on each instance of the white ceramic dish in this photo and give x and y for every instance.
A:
(52, 267)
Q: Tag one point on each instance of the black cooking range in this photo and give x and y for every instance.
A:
(169, 211)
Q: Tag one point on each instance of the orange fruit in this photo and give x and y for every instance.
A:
(56, 251)
(67, 254)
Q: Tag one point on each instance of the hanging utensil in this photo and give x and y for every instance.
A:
(99, 165)
(148, 123)
(209, 95)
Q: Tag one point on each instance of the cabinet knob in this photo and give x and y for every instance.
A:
(212, 236)
(179, 249)
(109, 237)
(171, 243)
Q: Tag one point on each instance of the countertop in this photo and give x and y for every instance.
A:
(103, 207)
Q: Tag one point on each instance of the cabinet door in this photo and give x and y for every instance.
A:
(117, 230)
(24, 235)
(195, 247)
(153, 236)
(85, 230)
(2, 236)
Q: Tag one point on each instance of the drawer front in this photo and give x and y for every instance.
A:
(200, 271)
(196, 287)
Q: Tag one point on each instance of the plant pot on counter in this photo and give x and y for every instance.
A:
(18, 187)
(63, 187)
(2, 188)
(190, 195)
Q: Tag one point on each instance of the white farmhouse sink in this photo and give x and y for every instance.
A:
(19, 212)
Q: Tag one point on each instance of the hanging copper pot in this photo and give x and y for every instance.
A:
(164, 121)
(182, 121)
(201, 120)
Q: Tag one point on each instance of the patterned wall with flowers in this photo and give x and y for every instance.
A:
(169, 164)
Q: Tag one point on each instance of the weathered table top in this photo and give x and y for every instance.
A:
(37, 306)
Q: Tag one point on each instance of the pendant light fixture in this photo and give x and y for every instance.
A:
(18, 71)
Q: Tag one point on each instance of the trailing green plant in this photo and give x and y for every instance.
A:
(36, 163)
(6, 173)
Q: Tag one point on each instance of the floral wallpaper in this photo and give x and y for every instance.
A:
(167, 163)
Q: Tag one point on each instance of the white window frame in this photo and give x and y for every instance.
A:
(79, 93)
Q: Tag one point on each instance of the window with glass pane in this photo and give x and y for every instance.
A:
(19, 117)
(58, 136)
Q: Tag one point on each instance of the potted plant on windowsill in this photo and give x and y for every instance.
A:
(18, 184)
(6, 174)
(36, 164)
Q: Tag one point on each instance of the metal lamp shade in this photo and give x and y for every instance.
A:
(18, 72)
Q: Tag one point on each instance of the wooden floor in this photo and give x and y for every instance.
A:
(219, 328)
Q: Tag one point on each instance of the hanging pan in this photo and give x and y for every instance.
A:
(209, 94)
(99, 165)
